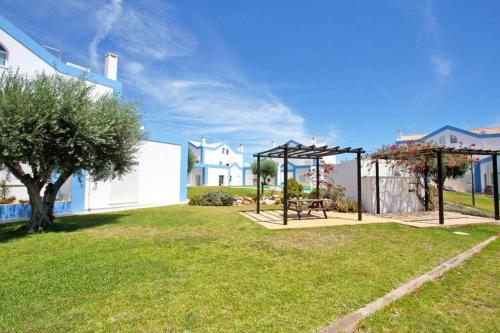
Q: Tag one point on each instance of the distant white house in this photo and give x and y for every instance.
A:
(297, 168)
(479, 138)
(160, 176)
(217, 164)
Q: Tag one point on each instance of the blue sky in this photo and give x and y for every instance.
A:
(349, 72)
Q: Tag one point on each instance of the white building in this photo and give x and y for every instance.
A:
(217, 164)
(478, 138)
(161, 174)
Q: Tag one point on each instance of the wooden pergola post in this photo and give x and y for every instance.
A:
(258, 184)
(358, 158)
(285, 186)
(472, 181)
(313, 152)
(440, 185)
(317, 178)
(426, 187)
(495, 186)
(377, 186)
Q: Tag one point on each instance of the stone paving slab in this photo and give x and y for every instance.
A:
(273, 219)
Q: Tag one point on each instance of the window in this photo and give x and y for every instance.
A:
(453, 139)
(442, 140)
(3, 56)
(221, 180)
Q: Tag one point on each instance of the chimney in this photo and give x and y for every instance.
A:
(111, 66)
(399, 134)
(313, 141)
(273, 145)
(241, 148)
(203, 141)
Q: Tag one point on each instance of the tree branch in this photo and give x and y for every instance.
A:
(18, 172)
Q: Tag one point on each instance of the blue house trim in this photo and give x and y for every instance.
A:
(53, 61)
(448, 127)
(477, 177)
(78, 193)
(235, 151)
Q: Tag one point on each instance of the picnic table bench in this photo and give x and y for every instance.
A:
(300, 205)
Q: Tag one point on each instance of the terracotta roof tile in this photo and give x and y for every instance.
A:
(486, 130)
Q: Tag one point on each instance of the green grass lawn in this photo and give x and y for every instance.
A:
(206, 269)
(463, 198)
(240, 191)
(466, 299)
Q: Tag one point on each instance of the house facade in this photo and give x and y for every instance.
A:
(217, 164)
(479, 138)
(160, 176)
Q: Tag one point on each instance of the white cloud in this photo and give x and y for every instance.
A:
(106, 17)
(183, 92)
(442, 66)
(152, 36)
(220, 109)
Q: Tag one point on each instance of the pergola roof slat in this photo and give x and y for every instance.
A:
(306, 152)
(445, 150)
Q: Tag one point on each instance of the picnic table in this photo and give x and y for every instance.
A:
(300, 205)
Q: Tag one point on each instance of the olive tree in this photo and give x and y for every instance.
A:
(268, 169)
(191, 160)
(53, 127)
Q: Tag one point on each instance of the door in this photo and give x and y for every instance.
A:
(221, 180)
(197, 180)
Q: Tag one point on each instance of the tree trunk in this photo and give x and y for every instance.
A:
(40, 216)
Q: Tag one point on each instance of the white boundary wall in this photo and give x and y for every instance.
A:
(155, 181)
(396, 189)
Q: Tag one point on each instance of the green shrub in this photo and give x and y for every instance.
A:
(335, 193)
(347, 206)
(213, 198)
(295, 189)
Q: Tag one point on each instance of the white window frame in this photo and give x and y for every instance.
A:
(453, 138)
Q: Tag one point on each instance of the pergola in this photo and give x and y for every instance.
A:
(311, 152)
(438, 152)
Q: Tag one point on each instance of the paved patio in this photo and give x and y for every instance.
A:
(273, 219)
(431, 219)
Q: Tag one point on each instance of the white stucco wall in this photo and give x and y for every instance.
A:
(396, 192)
(466, 140)
(213, 176)
(20, 57)
(236, 176)
(155, 180)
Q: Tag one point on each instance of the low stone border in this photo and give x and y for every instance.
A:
(349, 322)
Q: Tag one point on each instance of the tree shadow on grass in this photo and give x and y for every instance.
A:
(12, 231)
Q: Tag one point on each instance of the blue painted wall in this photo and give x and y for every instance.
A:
(23, 211)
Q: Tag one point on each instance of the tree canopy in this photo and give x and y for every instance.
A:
(268, 169)
(52, 127)
(409, 158)
(191, 159)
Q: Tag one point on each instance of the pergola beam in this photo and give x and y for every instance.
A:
(312, 152)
